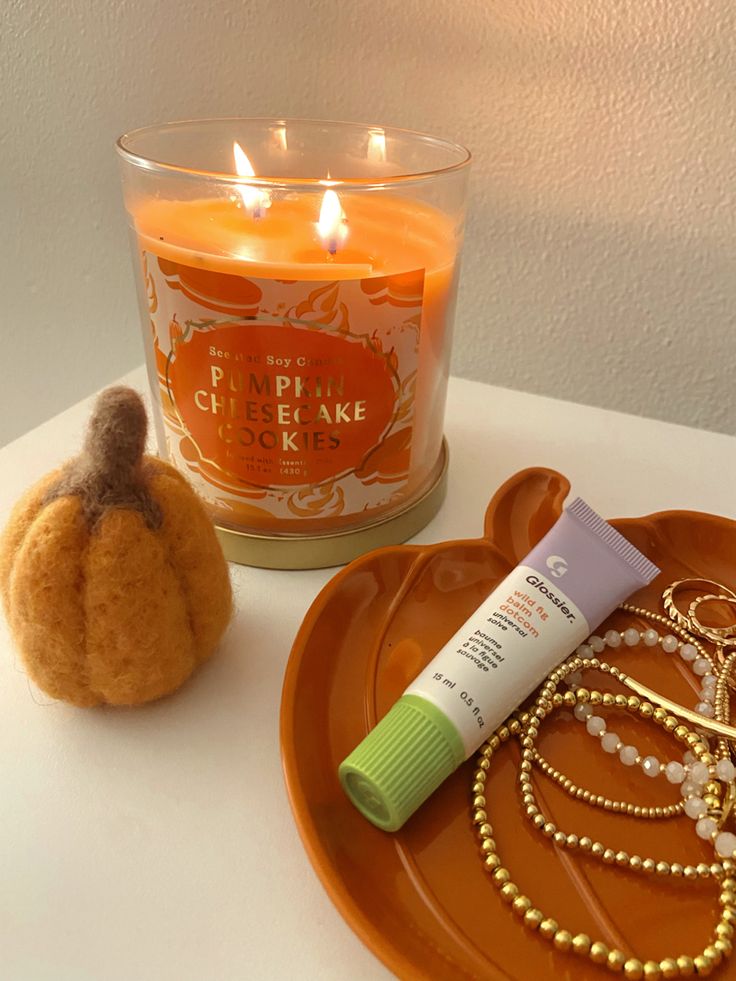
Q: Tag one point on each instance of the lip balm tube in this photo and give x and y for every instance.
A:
(571, 581)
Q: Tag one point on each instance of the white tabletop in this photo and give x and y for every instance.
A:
(157, 843)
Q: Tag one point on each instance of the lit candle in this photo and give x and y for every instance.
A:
(254, 200)
(301, 340)
(332, 226)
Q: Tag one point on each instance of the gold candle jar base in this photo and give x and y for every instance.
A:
(335, 548)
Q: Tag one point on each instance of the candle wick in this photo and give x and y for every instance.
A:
(332, 247)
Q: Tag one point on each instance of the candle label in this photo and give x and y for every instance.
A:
(286, 399)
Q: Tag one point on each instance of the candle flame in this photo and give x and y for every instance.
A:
(243, 166)
(254, 199)
(377, 146)
(279, 134)
(332, 225)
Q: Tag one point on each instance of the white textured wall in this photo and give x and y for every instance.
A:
(600, 248)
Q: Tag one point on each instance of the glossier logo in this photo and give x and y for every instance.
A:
(557, 566)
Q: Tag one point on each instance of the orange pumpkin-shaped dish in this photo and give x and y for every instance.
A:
(420, 898)
(112, 579)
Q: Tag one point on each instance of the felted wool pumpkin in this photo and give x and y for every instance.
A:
(112, 579)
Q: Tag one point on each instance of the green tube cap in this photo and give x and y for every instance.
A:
(404, 759)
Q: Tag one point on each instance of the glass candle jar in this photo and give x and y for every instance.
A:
(297, 284)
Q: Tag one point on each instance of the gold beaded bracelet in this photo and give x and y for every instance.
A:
(669, 715)
(526, 728)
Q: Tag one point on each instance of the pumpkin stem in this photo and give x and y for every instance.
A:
(110, 471)
(116, 434)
